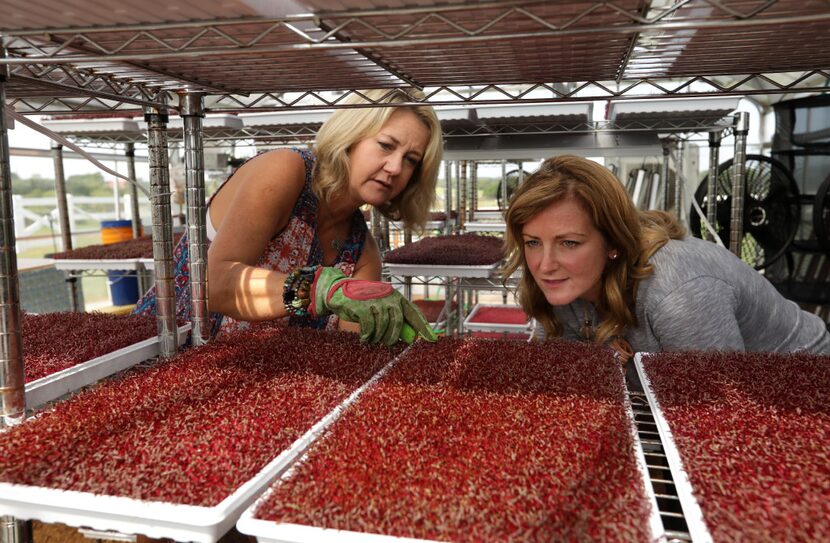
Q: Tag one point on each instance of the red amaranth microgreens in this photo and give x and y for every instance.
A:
(55, 341)
(193, 429)
(431, 309)
(473, 440)
(459, 250)
(753, 432)
(141, 247)
(506, 315)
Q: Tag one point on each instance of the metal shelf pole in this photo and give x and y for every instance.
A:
(191, 107)
(712, 187)
(739, 168)
(12, 391)
(664, 172)
(162, 230)
(63, 218)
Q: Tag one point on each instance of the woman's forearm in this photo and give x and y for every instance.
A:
(246, 292)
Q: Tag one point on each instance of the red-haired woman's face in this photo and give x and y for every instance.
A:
(566, 253)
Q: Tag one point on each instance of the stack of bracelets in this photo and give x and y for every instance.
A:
(296, 294)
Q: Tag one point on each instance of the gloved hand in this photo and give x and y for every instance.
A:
(382, 312)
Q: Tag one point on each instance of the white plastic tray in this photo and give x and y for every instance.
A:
(115, 264)
(492, 214)
(267, 531)
(691, 509)
(57, 384)
(475, 226)
(429, 225)
(160, 519)
(471, 324)
(419, 270)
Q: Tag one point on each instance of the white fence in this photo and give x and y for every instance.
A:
(31, 215)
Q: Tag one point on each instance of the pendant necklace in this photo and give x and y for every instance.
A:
(587, 329)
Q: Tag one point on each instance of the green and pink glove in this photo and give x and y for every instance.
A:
(384, 314)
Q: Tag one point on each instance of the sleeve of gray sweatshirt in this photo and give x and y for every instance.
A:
(698, 315)
(701, 296)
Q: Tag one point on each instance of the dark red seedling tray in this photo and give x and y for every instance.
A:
(497, 318)
(748, 435)
(473, 440)
(63, 352)
(141, 247)
(455, 250)
(432, 309)
(181, 448)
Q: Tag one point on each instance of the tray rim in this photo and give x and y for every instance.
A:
(698, 530)
(414, 270)
(495, 326)
(53, 386)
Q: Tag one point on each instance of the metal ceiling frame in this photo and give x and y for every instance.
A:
(812, 81)
(105, 67)
(54, 49)
(304, 134)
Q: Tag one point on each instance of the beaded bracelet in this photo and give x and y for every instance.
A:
(296, 292)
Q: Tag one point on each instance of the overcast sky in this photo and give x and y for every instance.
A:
(26, 138)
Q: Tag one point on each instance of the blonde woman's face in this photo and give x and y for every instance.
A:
(565, 253)
(382, 165)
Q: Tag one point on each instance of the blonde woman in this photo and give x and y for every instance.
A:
(595, 268)
(288, 241)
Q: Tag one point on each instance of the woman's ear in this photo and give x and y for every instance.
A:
(613, 254)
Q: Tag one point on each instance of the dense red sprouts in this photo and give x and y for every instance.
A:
(471, 440)
(753, 431)
(55, 341)
(459, 250)
(193, 429)
(141, 247)
(442, 215)
(502, 315)
(431, 309)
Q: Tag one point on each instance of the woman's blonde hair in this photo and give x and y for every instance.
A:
(635, 235)
(347, 126)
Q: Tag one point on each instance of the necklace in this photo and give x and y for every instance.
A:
(587, 329)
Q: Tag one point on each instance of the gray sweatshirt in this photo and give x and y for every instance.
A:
(701, 296)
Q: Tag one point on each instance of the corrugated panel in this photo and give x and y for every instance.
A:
(512, 42)
(764, 45)
(538, 58)
(237, 72)
(36, 14)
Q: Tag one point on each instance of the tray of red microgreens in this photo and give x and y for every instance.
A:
(497, 318)
(434, 310)
(65, 351)
(179, 449)
(130, 254)
(473, 440)
(464, 255)
(747, 436)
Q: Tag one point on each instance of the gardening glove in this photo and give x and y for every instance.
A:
(384, 315)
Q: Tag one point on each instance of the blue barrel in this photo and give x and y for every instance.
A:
(123, 285)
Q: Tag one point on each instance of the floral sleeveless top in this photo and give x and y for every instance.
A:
(296, 245)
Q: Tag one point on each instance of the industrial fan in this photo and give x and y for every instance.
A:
(771, 210)
(512, 182)
(821, 215)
